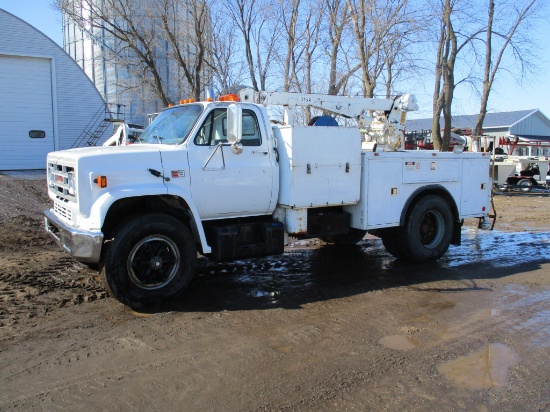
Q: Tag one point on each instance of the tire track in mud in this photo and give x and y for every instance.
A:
(161, 355)
(158, 356)
(38, 279)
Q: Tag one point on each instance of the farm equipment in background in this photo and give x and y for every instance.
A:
(521, 173)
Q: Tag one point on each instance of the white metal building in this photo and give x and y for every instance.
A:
(46, 100)
(531, 128)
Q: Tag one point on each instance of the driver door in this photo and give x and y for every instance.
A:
(226, 184)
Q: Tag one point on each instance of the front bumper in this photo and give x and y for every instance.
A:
(83, 245)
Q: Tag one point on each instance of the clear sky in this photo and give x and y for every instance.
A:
(508, 95)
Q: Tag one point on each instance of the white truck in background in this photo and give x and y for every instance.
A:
(219, 178)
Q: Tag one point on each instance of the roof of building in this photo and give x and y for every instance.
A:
(501, 119)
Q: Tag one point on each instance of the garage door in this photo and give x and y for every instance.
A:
(26, 114)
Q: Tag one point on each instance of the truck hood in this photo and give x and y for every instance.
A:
(110, 152)
(134, 167)
(120, 160)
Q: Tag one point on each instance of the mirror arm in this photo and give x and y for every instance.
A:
(218, 146)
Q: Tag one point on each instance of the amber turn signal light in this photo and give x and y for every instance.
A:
(101, 181)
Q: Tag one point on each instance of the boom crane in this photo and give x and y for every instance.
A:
(386, 125)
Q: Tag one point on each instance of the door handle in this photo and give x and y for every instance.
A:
(261, 151)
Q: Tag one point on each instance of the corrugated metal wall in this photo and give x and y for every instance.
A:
(74, 99)
(535, 124)
(26, 114)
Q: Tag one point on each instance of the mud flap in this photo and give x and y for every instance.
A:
(457, 235)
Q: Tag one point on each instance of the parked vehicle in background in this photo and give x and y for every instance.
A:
(522, 173)
(124, 135)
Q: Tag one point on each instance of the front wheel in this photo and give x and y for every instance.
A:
(150, 260)
(427, 233)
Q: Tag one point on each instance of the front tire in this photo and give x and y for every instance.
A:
(151, 260)
(428, 230)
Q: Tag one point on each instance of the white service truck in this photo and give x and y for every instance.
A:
(220, 178)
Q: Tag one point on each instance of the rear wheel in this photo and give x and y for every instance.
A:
(150, 260)
(427, 233)
(525, 185)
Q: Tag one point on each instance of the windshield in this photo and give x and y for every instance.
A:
(172, 125)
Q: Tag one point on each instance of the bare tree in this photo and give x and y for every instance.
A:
(190, 55)
(129, 26)
(225, 59)
(290, 10)
(260, 30)
(447, 52)
(378, 28)
(303, 72)
(147, 39)
(337, 16)
(493, 61)
(444, 72)
(399, 44)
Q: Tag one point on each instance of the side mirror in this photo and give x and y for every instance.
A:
(234, 123)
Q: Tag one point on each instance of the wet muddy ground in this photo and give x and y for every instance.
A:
(317, 328)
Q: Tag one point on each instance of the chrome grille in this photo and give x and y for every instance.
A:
(59, 177)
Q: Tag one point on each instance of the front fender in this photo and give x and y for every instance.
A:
(429, 189)
(196, 222)
(103, 203)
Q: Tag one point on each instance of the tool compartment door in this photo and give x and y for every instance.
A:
(318, 165)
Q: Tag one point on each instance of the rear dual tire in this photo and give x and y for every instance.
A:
(426, 234)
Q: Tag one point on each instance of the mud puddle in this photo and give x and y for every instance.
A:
(399, 342)
(483, 369)
(325, 271)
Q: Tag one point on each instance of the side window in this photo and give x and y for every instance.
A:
(251, 131)
(203, 136)
(214, 129)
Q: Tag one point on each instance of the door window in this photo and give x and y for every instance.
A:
(214, 129)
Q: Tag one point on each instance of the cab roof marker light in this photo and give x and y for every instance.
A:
(229, 98)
